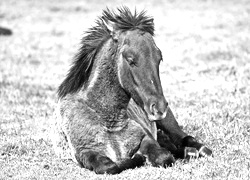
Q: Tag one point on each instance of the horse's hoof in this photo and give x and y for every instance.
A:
(169, 161)
(111, 169)
(192, 146)
(204, 151)
(140, 159)
(106, 166)
(164, 160)
(190, 152)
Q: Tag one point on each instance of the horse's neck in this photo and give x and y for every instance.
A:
(104, 92)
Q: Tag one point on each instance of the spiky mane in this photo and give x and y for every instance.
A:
(125, 20)
(94, 38)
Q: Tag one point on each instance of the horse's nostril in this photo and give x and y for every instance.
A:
(158, 108)
(153, 109)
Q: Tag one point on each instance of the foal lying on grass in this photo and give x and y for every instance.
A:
(111, 103)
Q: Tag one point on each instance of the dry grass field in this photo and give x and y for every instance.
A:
(205, 76)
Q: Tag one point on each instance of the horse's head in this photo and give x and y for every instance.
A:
(138, 71)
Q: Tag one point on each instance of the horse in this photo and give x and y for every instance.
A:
(112, 114)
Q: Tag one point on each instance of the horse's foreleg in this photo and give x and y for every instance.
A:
(136, 161)
(180, 139)
(94, 161)
(101, 164)
(156, 155)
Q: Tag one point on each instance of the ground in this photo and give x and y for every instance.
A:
(205, 76)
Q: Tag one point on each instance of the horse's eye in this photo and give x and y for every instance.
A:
(130, 58)
(131, 61)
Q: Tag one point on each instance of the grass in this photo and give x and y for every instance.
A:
(205, 76)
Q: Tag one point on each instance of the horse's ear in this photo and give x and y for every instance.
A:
(111, 27)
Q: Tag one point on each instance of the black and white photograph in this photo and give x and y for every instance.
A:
(124, 90)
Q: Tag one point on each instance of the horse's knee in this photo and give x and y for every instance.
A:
(165, 142)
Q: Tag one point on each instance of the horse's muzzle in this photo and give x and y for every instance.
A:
(157, 109)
